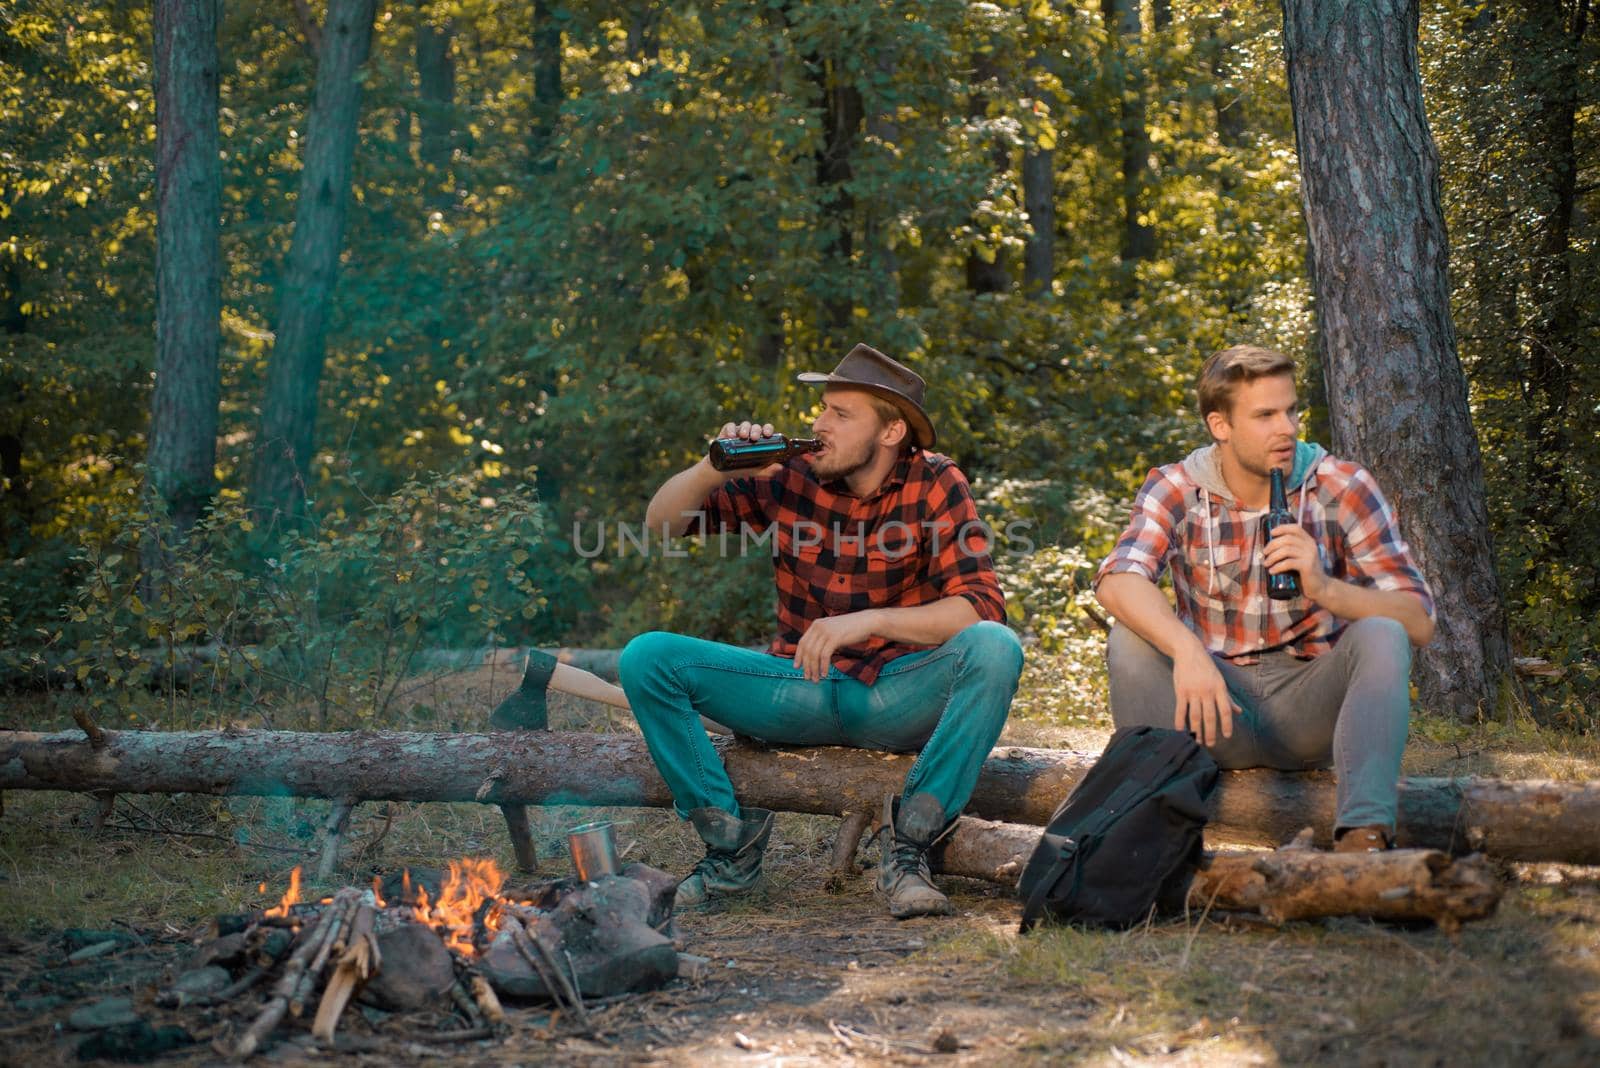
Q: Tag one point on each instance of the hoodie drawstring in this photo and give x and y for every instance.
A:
(1211, 548)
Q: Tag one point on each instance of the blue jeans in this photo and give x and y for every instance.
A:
(1349, 707)
(950, 702)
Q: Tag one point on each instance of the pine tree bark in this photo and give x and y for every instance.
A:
(183, 417)
(1396, 392)
(1533, 821)
(289, 410)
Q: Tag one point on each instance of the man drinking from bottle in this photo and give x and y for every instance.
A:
(1308, 681)
(890, 629)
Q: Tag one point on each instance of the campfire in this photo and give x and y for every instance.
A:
(457, 941)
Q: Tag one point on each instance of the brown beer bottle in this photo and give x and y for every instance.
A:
(1285, 585)
(736, 454)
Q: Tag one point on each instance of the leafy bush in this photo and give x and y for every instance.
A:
(325, 630)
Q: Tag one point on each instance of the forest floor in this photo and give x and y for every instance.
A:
(809, 969)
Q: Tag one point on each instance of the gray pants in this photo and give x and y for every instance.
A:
(1348, 708)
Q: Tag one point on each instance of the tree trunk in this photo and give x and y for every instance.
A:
(1396, 392)
(644, 30)
(842, 115)
(1552, 72)
(986, 262)
(1039, 201)
(183, 417)
(1227, 96)
(883, 263)
(1123, 28)
(289, 411)
(1535, 821)
(546, 83)
(436, 84)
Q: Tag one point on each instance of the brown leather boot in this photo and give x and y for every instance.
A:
(1370, 839)
(909, 830)
(732, 864)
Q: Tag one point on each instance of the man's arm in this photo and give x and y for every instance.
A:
(923, 624)
(1204, 705)
(1293, 549)
(674, 503)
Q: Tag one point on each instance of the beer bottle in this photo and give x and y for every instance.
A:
(736, 454)
(1285, 585)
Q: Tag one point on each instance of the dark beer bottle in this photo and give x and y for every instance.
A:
(736, 454)
(1285, 585)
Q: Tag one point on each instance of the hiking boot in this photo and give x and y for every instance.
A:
(909, 830)
(732, 863)
(1371, 839)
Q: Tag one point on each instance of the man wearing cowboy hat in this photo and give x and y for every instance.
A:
(890, 630)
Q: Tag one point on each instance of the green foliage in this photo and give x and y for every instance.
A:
(584, 288)
(331, 630)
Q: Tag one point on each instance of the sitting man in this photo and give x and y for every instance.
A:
(889, 630)
(1322, 678)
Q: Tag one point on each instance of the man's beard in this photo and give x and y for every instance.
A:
(1263, 467)
(834, 466)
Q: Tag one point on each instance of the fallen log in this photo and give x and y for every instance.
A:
(1292, 883)
(1299, 884)
(1531, 821)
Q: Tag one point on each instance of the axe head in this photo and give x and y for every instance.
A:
(524, 709)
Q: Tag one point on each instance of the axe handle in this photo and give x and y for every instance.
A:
(580, 683)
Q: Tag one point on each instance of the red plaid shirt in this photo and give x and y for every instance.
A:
(1214, 550)
(914, 540)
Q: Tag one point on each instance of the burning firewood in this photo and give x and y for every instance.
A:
(283, 991)
(425, 949)
(358, 960)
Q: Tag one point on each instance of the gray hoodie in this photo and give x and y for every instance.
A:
(1205, 469)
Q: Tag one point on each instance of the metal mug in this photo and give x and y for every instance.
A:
(594, 849)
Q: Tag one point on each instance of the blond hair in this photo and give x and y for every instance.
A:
(1225, 371)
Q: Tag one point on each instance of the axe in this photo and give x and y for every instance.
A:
(524, 709)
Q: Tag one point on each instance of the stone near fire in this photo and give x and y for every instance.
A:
(417, 969)
(108, 1012)
(614, 948)
(227, 950)
(400, 887)
(202, 981)
(509, 972)
(604, 927)
(662, 888)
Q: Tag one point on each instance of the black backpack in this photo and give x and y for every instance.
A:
(1128, 838)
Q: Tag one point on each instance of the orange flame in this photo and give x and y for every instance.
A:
(469, 884)
(290, 897)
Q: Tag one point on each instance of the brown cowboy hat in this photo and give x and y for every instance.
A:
(864, 367)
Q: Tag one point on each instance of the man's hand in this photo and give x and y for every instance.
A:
(814, 654)
(750, 432)
(1204, 706)
(1292, 548)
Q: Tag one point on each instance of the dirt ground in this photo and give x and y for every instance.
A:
(804, 975)
(811, 969)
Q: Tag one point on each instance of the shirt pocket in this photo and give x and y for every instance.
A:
(1217, 575)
